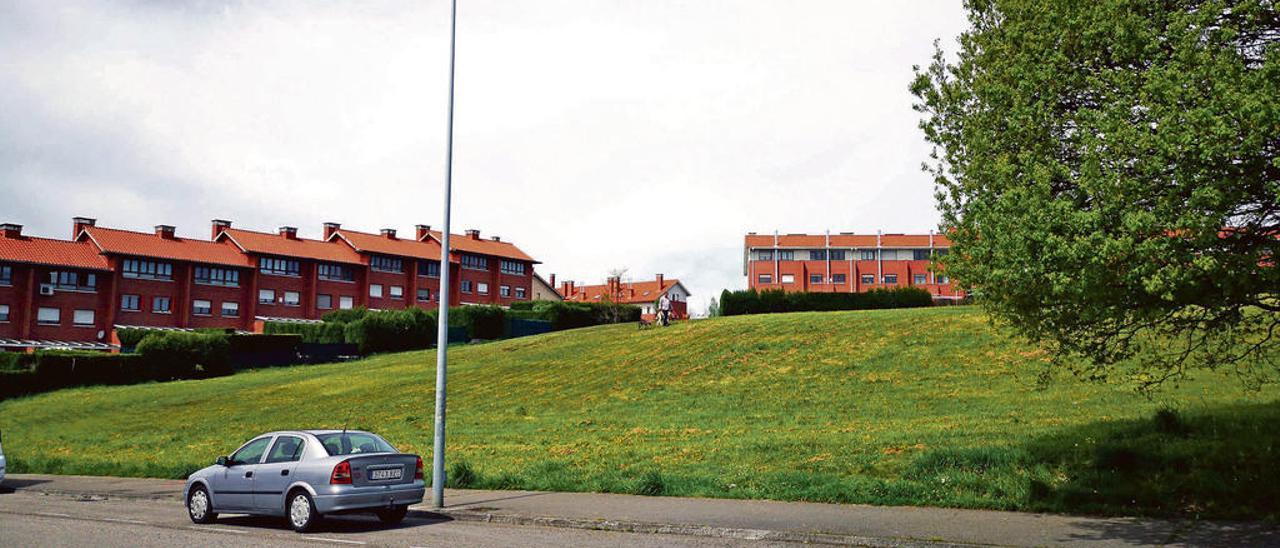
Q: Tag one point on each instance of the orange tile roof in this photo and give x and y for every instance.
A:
(45, 251)
(263, 243)
(482, 246)
(631, 292)
(846, 240)
(401, 247)
(144, 244)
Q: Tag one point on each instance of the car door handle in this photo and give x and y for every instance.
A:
(284, 472)
(248, 474)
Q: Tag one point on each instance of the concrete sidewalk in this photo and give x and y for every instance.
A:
(756, 520)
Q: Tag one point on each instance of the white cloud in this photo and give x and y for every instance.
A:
(595, 134)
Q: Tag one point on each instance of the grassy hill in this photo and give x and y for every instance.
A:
(922, 406)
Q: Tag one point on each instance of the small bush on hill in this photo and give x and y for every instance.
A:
(184, 355)
(733, 303)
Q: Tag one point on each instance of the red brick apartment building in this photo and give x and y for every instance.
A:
(846, 262)
(74, 293)
(643, 294)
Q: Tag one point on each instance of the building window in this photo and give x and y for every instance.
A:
(429, 268)
(335, 272)
(225, 277)
(49, 316)
(836, 254)
(161, 305)
(867, 255)
(397, 292)
(230, 309)
(890, 279)
(346, 303)
(386, 264)
(130, 303)
(505, 291)
(788, 279)
(920, 279)
(817, 254)
(465, 286)
(482, 288)
(324, 302)
(201, 307)
(6, 275)
(944, 280)
(4, 312)
(475, 262)
(815, 279)
(520, 293)
(939, 252)
(278, 267)
(868, 279)
(786, 255)
(837, 278)
(266, 296)
(82, 318)
(63, 279)
(147, 270)
(920, 254)
(765, 278)
(375, 290)
(292, 298)
(424, 295)
(512, 267)
(764, 254)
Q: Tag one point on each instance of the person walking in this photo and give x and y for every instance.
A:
(664, 310)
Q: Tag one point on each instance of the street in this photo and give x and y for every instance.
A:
(30, 519)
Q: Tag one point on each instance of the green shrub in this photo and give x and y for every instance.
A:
(346, 316)
(323, 333)
(392, 331)
(733, 303)
(184, 355)
(482, 322)
(19, 383)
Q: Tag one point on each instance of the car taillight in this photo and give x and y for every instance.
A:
(417, 474)
(341, 474)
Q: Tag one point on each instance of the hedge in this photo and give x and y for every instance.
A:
(370, 330)
(733, 303)
(130, 336)
(185, 355)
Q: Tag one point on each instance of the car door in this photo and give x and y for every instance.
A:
(275, 473)
(233, 489)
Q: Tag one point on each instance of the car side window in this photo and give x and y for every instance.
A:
(286, 449)
(252, 452)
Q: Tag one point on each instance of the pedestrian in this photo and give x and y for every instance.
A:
(664, 310)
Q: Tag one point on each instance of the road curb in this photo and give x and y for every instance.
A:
(707, 531)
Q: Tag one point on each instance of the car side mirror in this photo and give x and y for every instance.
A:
(222, 461)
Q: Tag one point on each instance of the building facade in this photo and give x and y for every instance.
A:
(74, 293)
(642, 294)
(847, 263)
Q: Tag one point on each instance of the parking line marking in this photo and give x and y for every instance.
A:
(117, 520)
(338, 540)
(53, 514)
(218, 529)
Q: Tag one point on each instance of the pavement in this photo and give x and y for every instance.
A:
(766, 522)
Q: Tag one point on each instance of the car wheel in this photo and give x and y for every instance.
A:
(200, 506)
(302, 512)
(394, 515)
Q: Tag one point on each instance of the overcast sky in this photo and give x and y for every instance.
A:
(595, 134)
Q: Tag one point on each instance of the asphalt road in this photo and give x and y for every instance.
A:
(28, 519)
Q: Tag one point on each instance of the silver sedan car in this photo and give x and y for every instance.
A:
(303, 475)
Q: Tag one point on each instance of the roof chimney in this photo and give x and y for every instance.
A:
(330, 228)
(422, 231)
(11, 230)
(659, 281)
(290, 232)
(473, 234)
(389, 233)
(165, 231)
(552, 281)
(496, 238)
(218, 226)
(77, 225)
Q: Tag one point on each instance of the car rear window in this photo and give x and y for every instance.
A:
(354, 443)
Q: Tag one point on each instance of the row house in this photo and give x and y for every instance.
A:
(847, 262)
(74, 293)
(644, 294)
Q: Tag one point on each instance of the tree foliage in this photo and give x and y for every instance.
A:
(1109, 173)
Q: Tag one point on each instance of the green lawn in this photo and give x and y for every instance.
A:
(922, 407)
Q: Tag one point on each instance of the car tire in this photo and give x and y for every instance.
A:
(393, 515)
(301, 512)
(200, 506)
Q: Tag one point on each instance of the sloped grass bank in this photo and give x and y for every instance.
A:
(919, 406)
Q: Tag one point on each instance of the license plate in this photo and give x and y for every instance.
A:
(386, 474)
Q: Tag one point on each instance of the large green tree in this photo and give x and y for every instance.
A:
(1109, 172)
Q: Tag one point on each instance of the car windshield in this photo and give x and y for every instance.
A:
(354, 443)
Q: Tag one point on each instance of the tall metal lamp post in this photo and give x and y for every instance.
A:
(442, 330)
